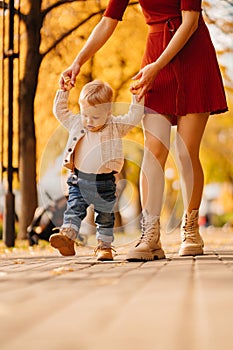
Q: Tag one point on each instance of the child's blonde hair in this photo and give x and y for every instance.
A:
(96, 92)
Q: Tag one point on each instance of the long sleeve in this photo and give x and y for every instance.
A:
(127, 121)
(61, 111)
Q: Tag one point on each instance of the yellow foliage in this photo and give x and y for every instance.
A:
(115, 63)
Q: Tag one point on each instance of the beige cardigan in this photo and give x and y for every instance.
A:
(111, 135)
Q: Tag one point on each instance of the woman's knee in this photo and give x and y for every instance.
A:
(155, 148)
(157, 129)
(188, 156)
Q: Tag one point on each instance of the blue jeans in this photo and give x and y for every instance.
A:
(86, 191)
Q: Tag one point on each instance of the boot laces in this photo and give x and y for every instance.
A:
(190, 229)
(68, 232)
(102, 246)
(150, 228)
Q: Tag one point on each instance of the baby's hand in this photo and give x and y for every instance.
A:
(134, 89)
(67, 85)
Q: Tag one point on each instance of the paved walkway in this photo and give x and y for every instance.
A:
(49, 302)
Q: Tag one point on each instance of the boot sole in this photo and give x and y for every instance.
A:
(144, 256)
(104, 259)
(191, 251)
(60, 243)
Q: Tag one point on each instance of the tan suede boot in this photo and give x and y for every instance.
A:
(149, 246)
(104, 251)
(63, 241)
(192, 243)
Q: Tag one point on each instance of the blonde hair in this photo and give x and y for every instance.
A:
(96, 92)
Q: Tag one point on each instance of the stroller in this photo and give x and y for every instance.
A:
(47, 221)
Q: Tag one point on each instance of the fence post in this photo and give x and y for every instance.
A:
(9, 212)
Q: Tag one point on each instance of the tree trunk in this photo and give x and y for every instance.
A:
(27, 161)
(27, 146)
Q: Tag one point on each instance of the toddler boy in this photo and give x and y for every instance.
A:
(93, 155)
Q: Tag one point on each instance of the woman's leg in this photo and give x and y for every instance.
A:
(157, 130)
(190, 129)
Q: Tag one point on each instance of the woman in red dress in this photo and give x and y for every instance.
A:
(182, 85)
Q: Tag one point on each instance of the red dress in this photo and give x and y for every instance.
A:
(191, 82)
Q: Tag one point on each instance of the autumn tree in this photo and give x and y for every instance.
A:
(54, 31)
(34, 16)
(33, 21)
(218, 160)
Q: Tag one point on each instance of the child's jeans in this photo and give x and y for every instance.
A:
(86, 189)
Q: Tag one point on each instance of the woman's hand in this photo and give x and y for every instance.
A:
(148, 74)
(144, 79)
(98, 37)
(68, 77)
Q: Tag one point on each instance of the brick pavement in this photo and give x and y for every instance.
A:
(52, 302)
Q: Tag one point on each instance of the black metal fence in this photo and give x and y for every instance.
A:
(10, 69)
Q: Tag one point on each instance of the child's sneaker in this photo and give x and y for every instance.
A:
(104, 251)
(62, 242)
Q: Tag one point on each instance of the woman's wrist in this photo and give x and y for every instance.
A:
(76, 65)
(157, 65)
